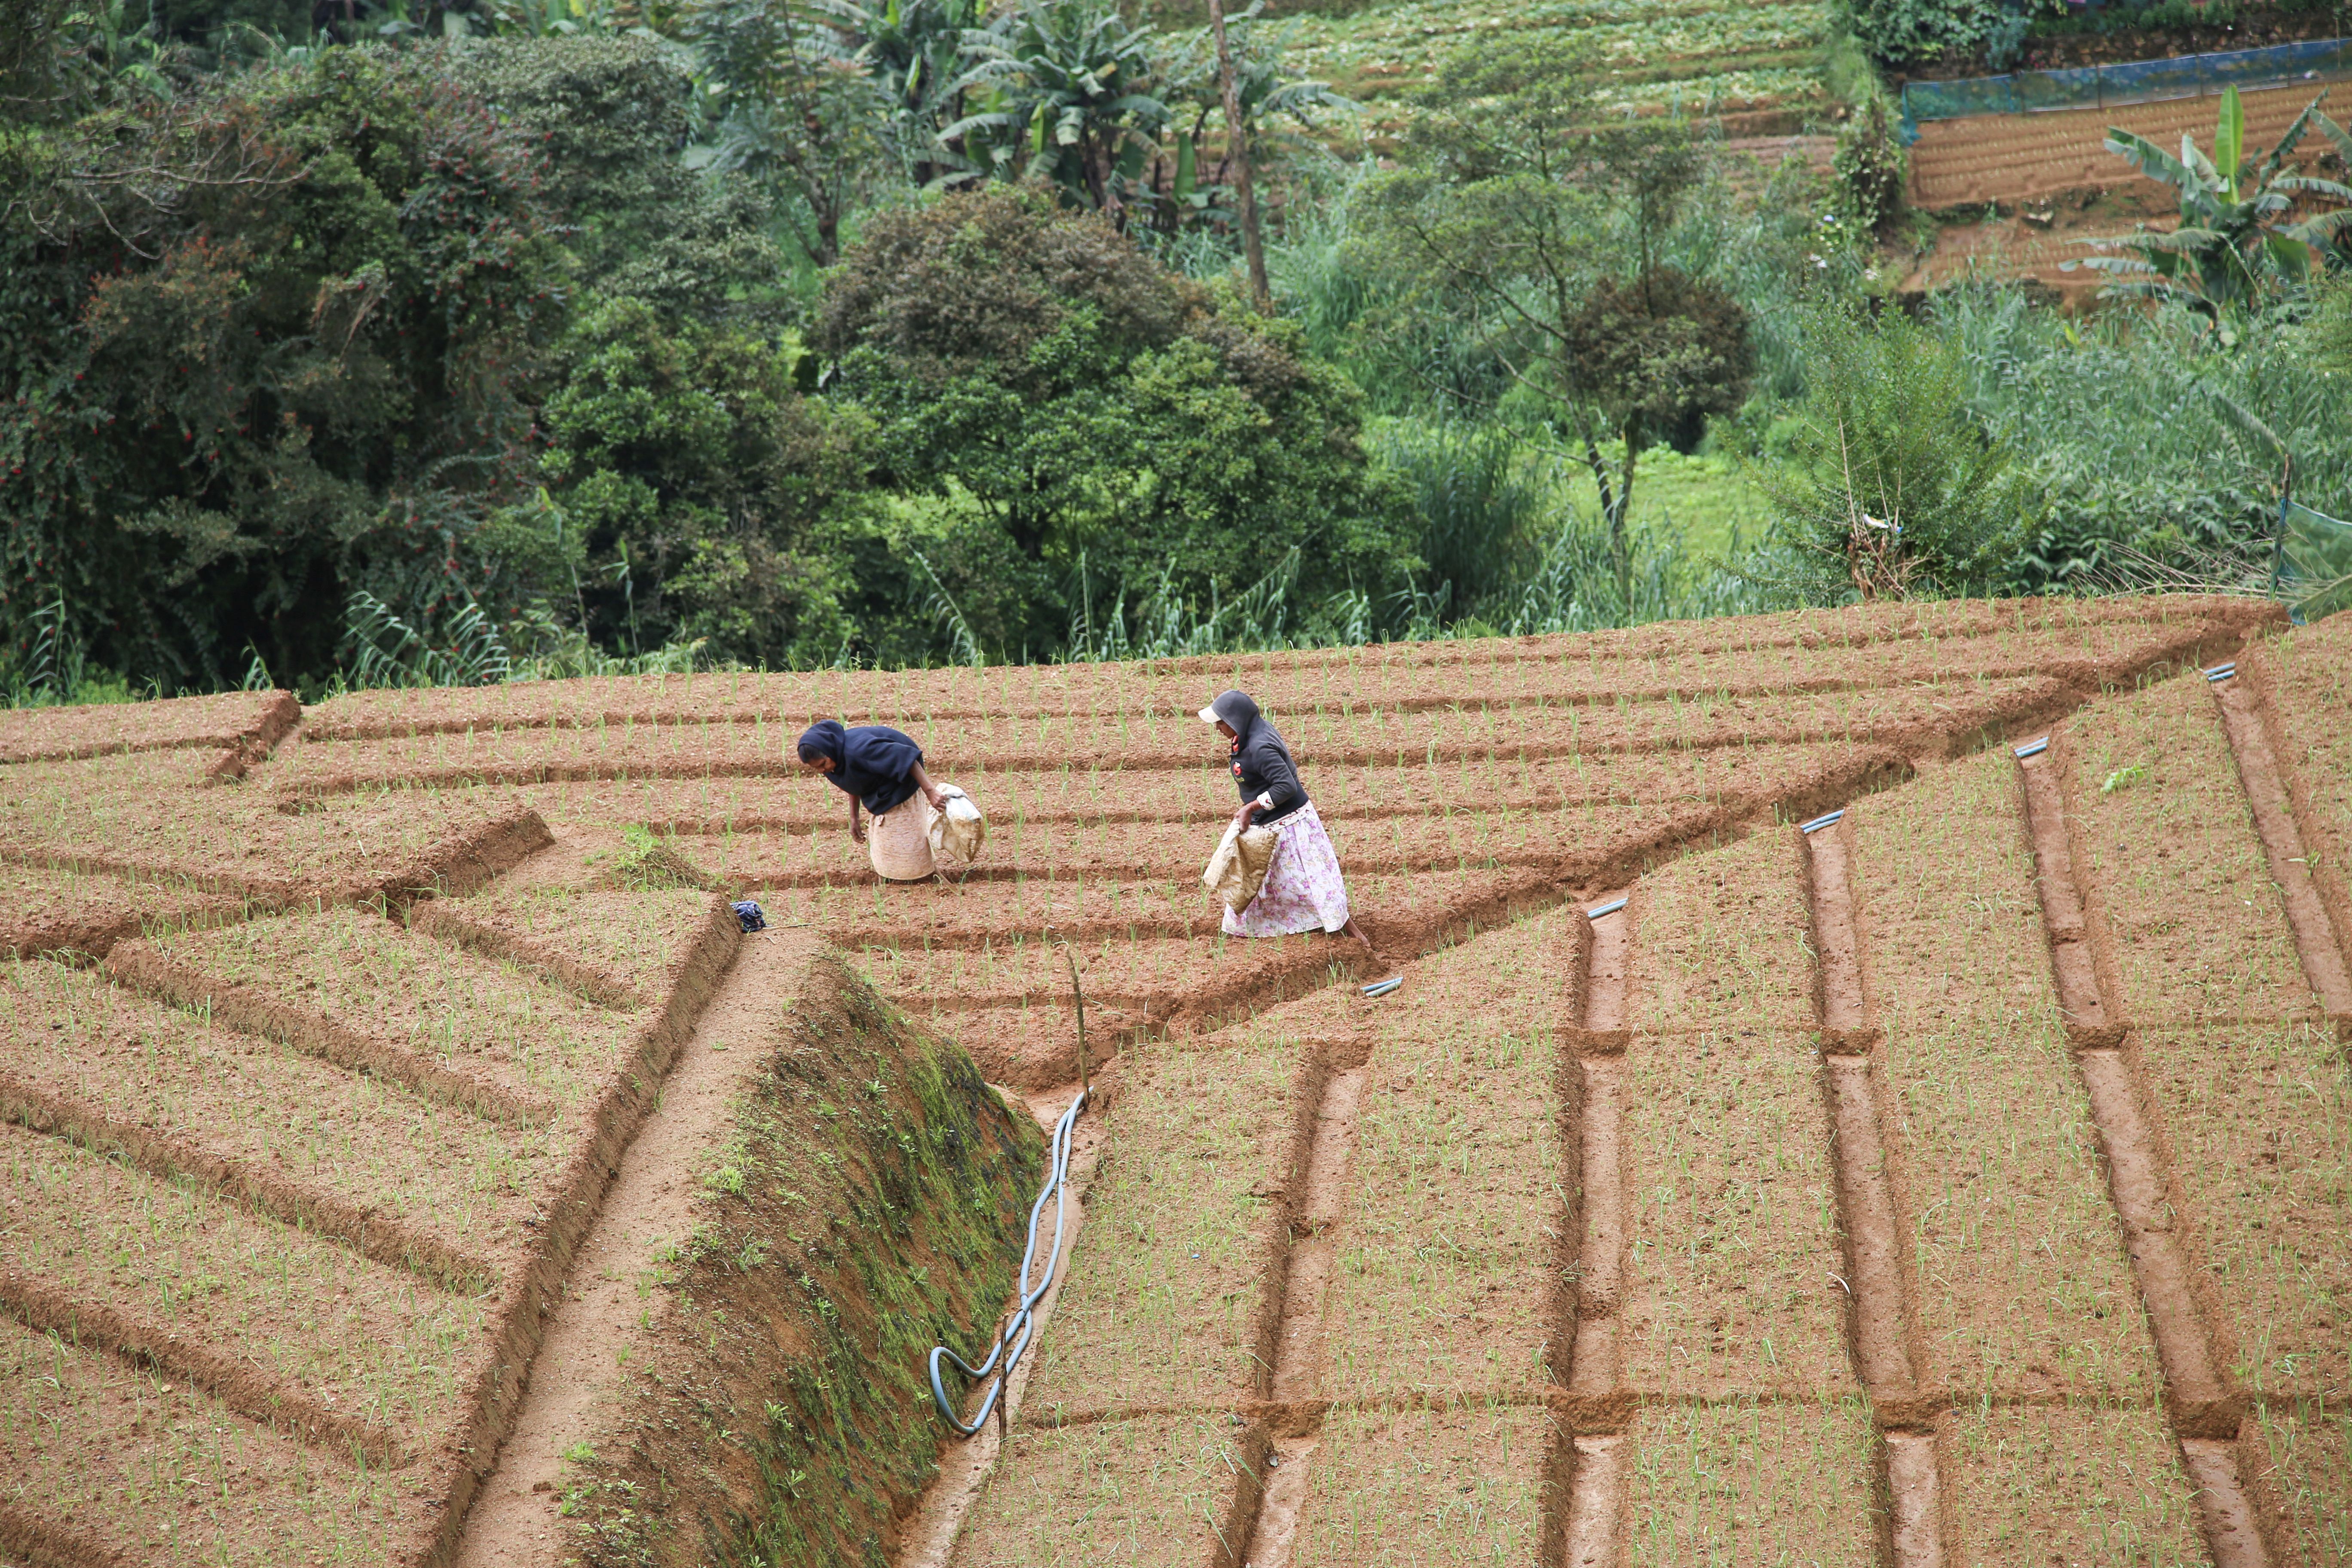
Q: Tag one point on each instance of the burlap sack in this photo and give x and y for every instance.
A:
(957, 832)
(1237, 870)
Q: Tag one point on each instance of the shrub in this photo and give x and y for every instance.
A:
(1887, 473)
(1102, 427)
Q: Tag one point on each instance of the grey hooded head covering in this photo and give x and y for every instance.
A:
(1235, 709)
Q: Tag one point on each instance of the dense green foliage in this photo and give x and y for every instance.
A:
(261, 347)
(1887, 478)
(634, 335)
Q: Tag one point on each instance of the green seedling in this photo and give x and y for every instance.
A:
(2123, 778)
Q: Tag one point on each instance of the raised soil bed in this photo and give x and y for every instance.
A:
(2162, 830)
(2020, 1281)
(1750, 1482)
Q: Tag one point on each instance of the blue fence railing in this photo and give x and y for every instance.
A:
(2140, 81)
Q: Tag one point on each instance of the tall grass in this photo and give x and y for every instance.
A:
(2123, 424)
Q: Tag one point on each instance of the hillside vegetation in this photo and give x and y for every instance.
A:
(463, 342)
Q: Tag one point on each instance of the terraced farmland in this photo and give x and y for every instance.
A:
(407, 1161)
(1759, 66)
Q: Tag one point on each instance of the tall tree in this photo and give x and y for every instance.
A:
(1521, 196)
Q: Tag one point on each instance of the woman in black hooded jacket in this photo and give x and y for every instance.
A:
(881, 769)
(1304, 890)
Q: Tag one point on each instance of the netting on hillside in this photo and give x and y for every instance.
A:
(2140, 81)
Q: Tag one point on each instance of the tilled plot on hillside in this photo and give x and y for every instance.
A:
(1805, 1205)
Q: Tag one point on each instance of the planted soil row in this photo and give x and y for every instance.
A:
(90, 817)
(262, 1314)
(2022, 1281)
(1783, 647)
(1450, 1235)
(65, 911)
(1174, 1282)
(1089, 796)
(2171, 855)
(767, 717)
(104, 1461)
(1931, 720)
(271, 1128)
(251, 722)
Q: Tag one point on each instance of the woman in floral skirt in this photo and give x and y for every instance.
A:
(1304, 890)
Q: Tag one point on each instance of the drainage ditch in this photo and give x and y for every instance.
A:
(2206, 1414)
(1588, 1464)
(1879, 1327)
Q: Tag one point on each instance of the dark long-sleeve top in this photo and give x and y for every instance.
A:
(1261, 762)
(872, 762)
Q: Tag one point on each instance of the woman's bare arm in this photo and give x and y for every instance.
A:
(931, 792)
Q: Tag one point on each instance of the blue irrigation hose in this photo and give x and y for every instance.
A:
(1022, 1325)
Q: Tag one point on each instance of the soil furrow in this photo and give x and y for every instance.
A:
(1601, 694)
(1877, 1323)
(1584, 1525)
(436, 918)
(1613, 1410)
(259, 1192)
(1296, 1417)
(252, 1394)
(46, 1544)
(138, 967)
(2201, 1405)
(1986, 720)
(577, 1195)
(928, 1538)
(2316, 940)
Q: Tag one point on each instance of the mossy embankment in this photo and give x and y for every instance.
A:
(866, 1199)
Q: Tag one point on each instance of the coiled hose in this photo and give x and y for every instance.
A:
(1014, 1339)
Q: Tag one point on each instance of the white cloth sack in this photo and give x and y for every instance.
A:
(957, 832)
(1237, 870)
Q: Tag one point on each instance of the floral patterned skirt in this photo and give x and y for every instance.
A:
(1304, 890)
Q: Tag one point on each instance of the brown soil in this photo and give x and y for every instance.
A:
(1641, 769)
(82, 912)
(826, 1214)
(2022, 1284)
(2011, 158)
(400, 1179)
(160, 1472)
(1903, 716)
(290, 1331)
(249, 723)
(651, 1204)
(483, 1088)
(1743, 1482)
(2259, 1124)
(112, 816)
(2186, 893)
(2161, 1228)
(2031, 1485)
(2282, 819)
(1775, 650)
(1175, 1293)
(1022, 799)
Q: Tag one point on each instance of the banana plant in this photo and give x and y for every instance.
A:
(914, 50)
(1067, 92)
(2236, 241)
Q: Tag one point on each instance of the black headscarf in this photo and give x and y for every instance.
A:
(1261, 762)
(873, 762)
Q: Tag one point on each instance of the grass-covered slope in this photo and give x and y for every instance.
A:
(868, 1199)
